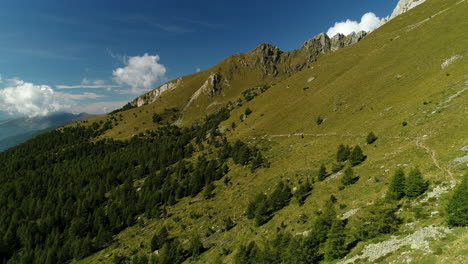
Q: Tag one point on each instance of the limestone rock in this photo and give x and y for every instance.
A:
(404, 5)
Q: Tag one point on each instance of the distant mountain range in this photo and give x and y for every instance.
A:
(18, 130)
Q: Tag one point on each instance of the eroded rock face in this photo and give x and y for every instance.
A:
(404, 5)
(266, 57)
(151, 96)
(340, 41)
(317, 45)
(337, 42)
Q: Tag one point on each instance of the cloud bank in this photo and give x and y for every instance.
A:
(29, 99)
(369, 22)
(140, 73)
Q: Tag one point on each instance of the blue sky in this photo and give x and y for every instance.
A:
(82, 43)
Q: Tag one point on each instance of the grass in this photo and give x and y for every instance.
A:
(372, 86)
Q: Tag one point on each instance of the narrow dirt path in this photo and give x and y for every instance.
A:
(433, 155)
(334, 135)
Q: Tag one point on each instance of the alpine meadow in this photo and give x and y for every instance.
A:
(352, 148)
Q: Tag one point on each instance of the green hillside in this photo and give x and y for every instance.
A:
(227, 167)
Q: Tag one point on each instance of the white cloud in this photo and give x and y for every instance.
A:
(19, 97)
(81, 86)
(82, 96)
(88, 84)
(198, 69)
(140, 72)
(369, 22)
(99, 107)
(1, 80)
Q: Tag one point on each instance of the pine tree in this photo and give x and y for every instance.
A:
(196, 247)
(356, 157)
(335, 244)
(371, 138)
(159, 239)
(457, 209)
(343, 153)
(322, 173)
(261, 214)
(415, 184)
(348, 177)
(396, 190)
(323, 222)
(208, 192)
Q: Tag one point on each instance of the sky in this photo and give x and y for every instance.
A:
(94, 56)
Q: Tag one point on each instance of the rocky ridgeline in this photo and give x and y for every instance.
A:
(269, 60)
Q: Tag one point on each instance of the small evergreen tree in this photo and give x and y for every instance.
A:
(396, 190)
(343, 153)
(262, 214)
(157, 118)
(196, 247)
(457, 209)
(348, 177)
(322, 173)
(335, 244)
(159, 239)
(208, 192)
(415, 184)
(323, 222)
(356, 157)
(319, 120)
(371, 138)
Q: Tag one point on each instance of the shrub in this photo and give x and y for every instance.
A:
(157, 118)
(371, 138)
(319, 120)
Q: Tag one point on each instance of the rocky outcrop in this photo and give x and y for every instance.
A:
(211, 87)
(317, 45)
(340, 41)
(266, 57)
(151, 96)
(404, 6)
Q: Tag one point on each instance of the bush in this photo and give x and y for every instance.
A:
(247, 111)
(157, 118)
(319, 121)
(371, 138)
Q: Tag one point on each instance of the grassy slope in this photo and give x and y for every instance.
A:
(392, 68)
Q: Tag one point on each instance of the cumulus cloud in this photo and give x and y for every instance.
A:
(369, 22)
(140, 72)
(198, 69)
(19, 97)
